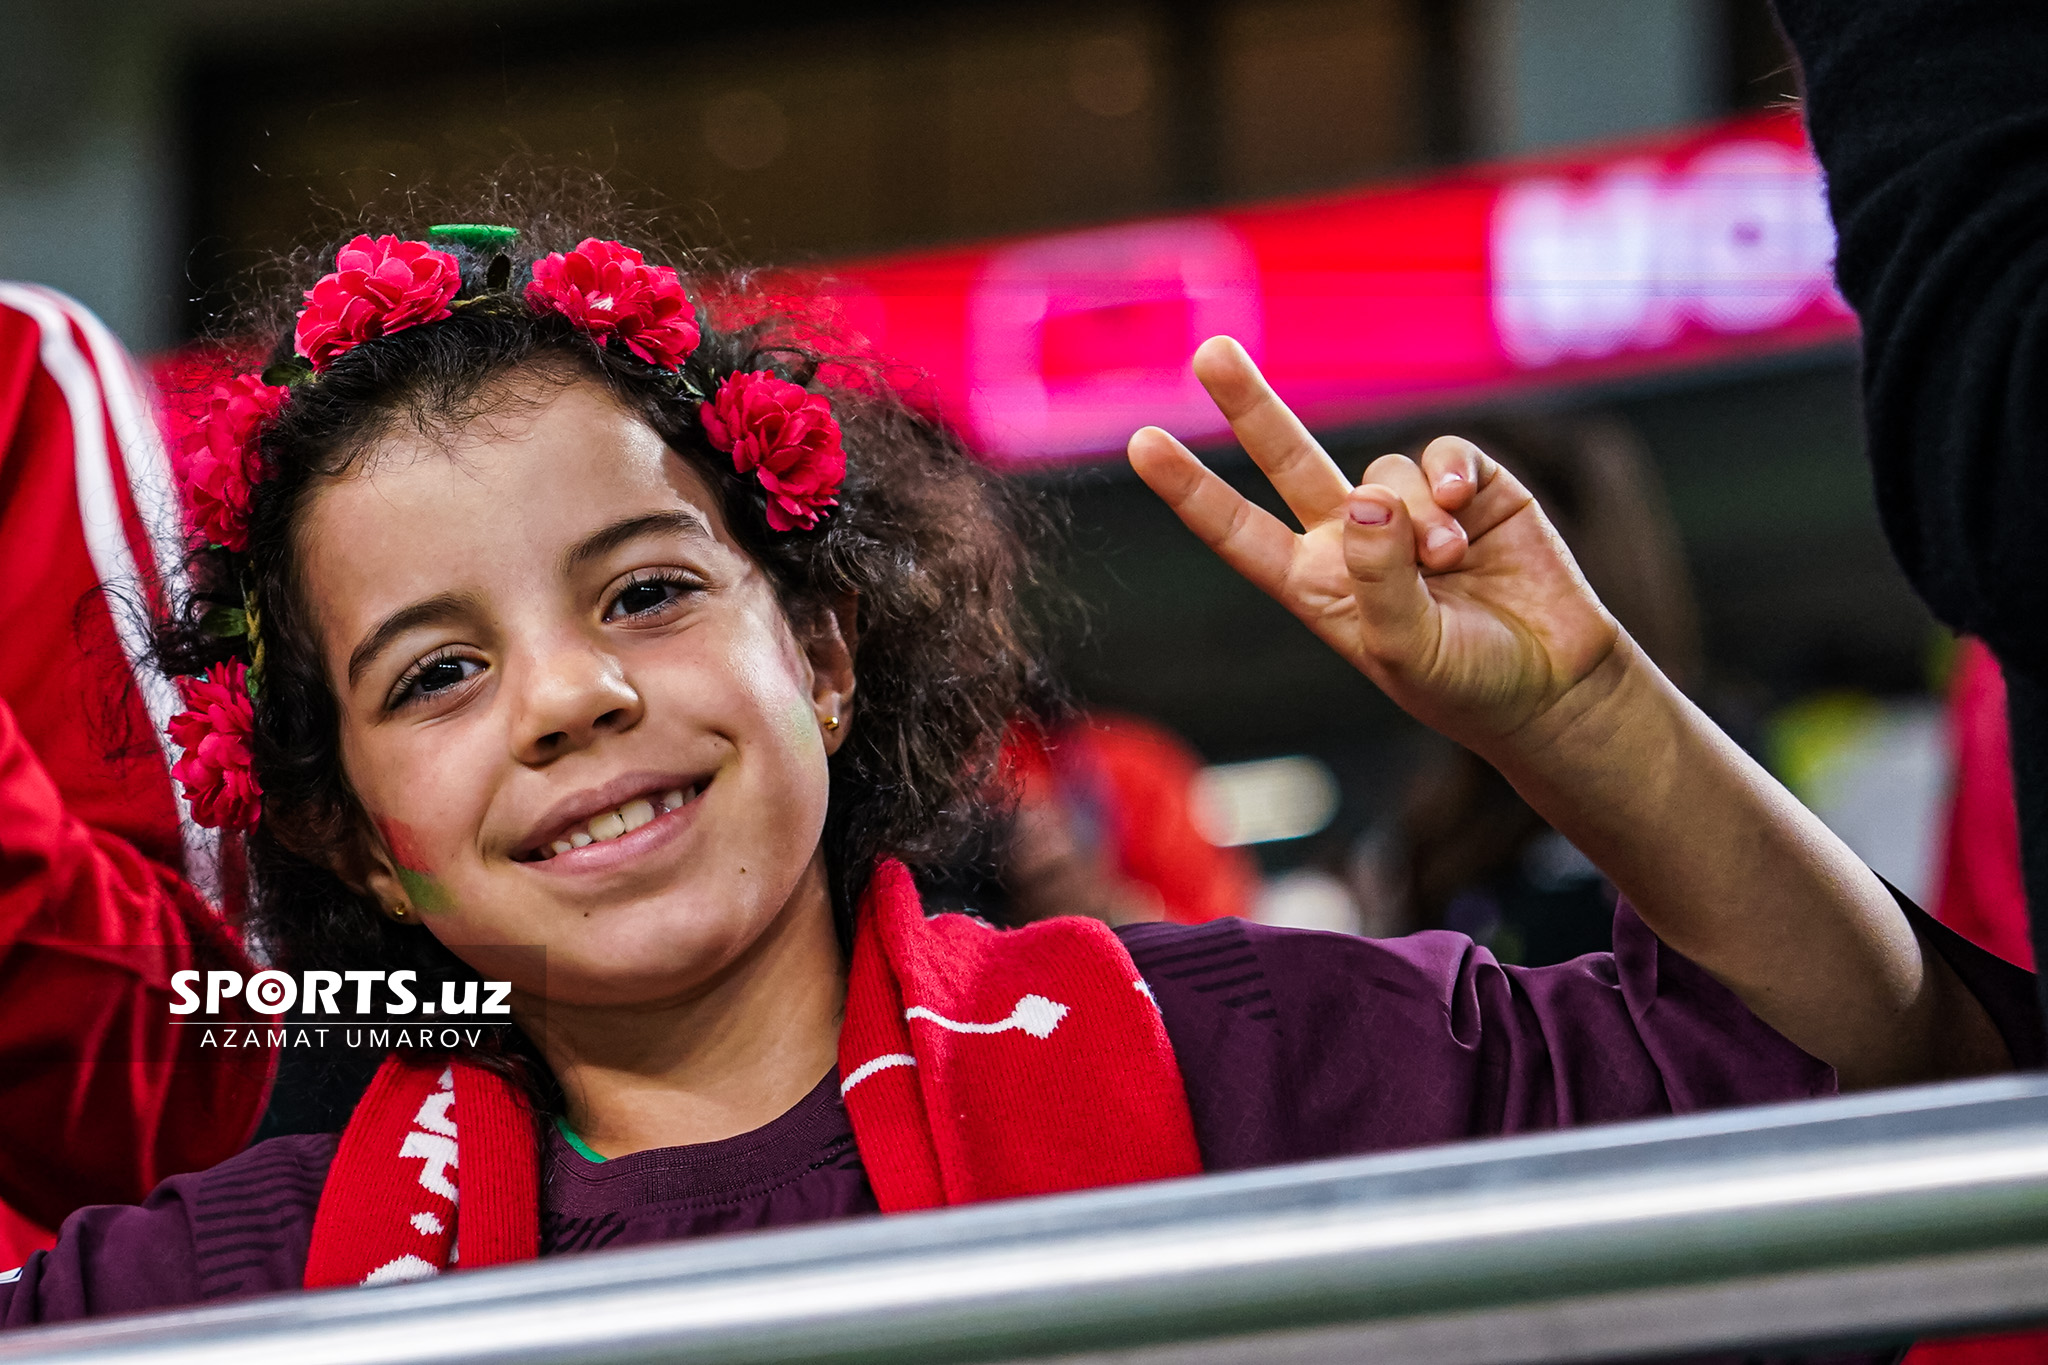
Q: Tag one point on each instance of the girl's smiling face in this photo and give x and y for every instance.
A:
(572, 706)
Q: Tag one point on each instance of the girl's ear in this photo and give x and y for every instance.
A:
(830, 648)
(385, 872)
(349, 846)
(382, 883)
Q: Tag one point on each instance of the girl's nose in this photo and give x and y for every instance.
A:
(570, 696)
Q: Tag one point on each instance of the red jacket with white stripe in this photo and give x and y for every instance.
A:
(100, 1098)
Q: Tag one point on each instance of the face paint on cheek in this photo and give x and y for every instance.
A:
(802, 722)
(425, 891)
(422, 888)
(798, 724)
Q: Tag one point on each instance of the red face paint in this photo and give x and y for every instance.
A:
(424, 889)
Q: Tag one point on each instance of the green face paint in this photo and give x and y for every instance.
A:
(422, 888)
(801, 721)
(425, 891)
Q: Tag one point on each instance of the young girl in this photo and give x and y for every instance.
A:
(544, 605)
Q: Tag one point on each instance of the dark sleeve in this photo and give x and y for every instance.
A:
(1931, 119)
(110, 1258)
(239, 1228)
(1296, 1045)
(2008, 993)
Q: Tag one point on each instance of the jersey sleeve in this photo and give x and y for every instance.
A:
(101, 1096)
(90, 536)
(111, 1258)
(1296, 1045)
(238, 1229)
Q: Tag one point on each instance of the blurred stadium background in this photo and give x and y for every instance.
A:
(149, 149)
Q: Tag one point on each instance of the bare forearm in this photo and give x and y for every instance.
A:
(1730, 870)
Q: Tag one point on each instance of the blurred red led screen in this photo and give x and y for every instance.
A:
(1674, 252)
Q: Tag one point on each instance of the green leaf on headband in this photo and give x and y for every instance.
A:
(225, 622)
(475, 236)
(500, 273)
(286, 373)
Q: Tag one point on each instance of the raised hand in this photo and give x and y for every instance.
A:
(1441, 580)
(1445, 584)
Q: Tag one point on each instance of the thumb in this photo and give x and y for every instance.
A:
(1395, 607)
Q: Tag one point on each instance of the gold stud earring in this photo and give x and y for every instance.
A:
(832, 723)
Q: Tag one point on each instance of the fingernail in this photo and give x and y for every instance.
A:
(1371, 513)
(1449, 482)
(1439, 538)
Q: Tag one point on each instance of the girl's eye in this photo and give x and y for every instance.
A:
(434, 675)
(646, 596)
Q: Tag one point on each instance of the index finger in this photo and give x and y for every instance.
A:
(1305, 477)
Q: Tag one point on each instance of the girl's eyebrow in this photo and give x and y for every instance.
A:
(431, 611)
(677, 521)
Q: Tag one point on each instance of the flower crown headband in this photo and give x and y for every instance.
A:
(779, 432)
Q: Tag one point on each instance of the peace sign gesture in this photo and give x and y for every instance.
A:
(1446, 585)
(1441, 581)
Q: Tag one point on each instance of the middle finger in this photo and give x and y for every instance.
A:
(1306, 478)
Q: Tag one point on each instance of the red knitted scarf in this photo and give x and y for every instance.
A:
(975, 1064)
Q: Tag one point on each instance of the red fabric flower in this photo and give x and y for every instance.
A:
(216, 770)
(216, 461)
(608, 290)
(379, 286)
(787, 438)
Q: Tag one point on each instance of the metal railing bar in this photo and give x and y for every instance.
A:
(1835, 1311)
(1755, 1203)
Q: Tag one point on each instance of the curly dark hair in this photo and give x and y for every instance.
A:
(935, 551)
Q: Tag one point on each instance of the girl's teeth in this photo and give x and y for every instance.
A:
(624, 820)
